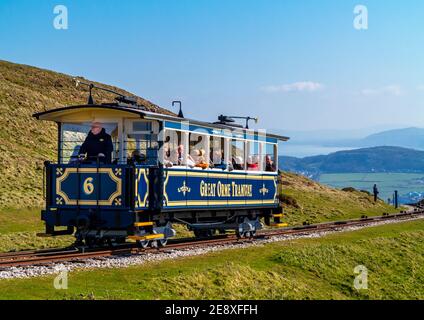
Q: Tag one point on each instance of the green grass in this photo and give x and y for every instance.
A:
(387, 182)
(314, 202)
(18, 229)
(300, 269)
(18, 241)
(20, 220)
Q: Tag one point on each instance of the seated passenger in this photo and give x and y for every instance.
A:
(238, 163)
(217, 161)
(173, 157)
(167, 163)
(188, 161)
(136, 158)
(199, 159)
(177, 158)
(180, 152)
(269, 164)
(252, 163)
(97, 145)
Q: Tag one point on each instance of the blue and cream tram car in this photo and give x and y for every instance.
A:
(212, 177)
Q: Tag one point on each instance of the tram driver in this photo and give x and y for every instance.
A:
(97, 145)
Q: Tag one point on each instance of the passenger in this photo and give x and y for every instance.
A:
(200, 159)
(97, 144)
(167, 156)
(218, 161)
(173, 157)
(252, 164)
(136, 158)
(269, 164)
(180, 158)
(180, 151)
(238, 163)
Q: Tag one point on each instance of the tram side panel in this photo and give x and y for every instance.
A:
(194, 189)
(142, 187)
(175, 189)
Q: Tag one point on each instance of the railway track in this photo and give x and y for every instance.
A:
(72, 254)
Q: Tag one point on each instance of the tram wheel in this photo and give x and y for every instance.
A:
(143, 243)
(162, 242)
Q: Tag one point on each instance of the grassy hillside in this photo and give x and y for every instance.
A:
(25, 142)
(307, 200)
(300, 269)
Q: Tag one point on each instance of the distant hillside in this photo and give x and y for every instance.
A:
(377, 159)
(406, 137)
(25, 142)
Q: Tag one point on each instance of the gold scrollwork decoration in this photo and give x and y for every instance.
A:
(184, 188)
(263, 190)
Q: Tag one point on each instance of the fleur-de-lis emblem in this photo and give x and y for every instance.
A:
(263, 190)
(118, 171)
(59, 171)
(184, 188)
(118, 202)
(59, 200)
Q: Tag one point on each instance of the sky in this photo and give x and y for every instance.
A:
(296, 64)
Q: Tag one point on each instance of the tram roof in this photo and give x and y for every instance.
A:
(60, 114)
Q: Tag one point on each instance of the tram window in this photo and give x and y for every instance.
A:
(237, 154)
(173, 149)
(142, 126)
(141, 143)
(73, 136)
(197, 156)
(253, 156)
(141, 148)
(217, 153)
(270, 156)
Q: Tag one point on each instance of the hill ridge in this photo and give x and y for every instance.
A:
(26, 142)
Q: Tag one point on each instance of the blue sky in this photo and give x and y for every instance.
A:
(298, 65)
